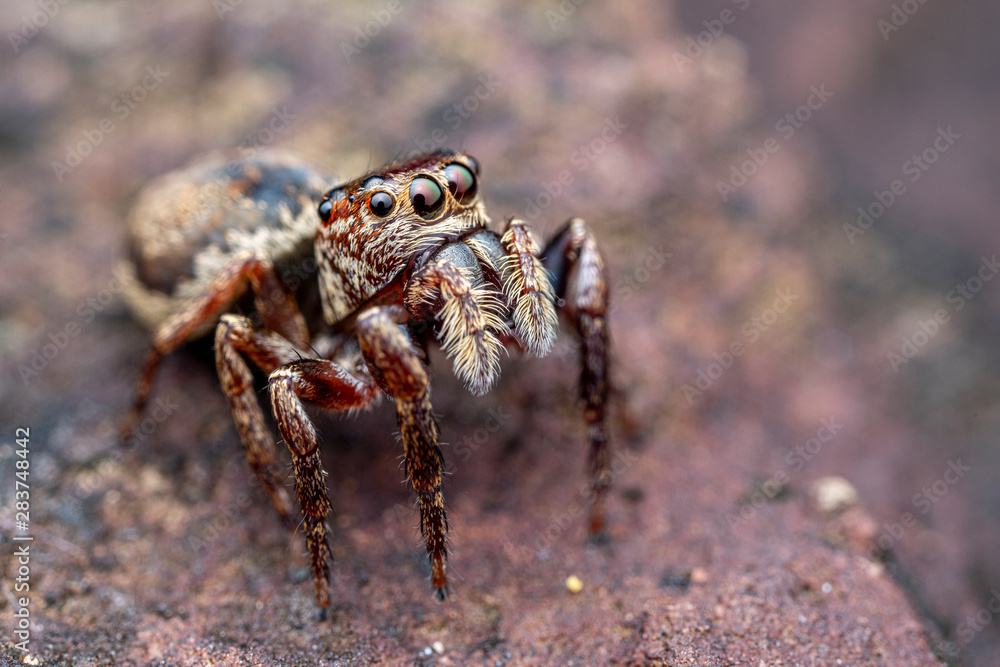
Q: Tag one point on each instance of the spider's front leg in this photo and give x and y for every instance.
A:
(245, 271)
(325, 384)
(469, 313)
(577, 267)
(398, 370)
(268, 349)
(235, 341)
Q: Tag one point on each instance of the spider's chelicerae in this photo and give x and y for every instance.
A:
(344, 297)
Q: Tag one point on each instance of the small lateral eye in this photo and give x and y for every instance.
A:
(326, 206)
(426, 196)
(474, 163)
(461, 182)
(381, 203)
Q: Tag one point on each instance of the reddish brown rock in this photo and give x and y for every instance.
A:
(715, 553)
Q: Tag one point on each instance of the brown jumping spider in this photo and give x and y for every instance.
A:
(403, 253)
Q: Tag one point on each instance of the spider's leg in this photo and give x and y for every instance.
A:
(235, 339)
(470, 316)
(528, 290)
(397, 366)
(275, 304)
(577, 269)
(327, 385)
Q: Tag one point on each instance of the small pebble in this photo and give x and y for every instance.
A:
(574, 584)
(834, 493)
(699, 576)
(826, 587)
(438, 647)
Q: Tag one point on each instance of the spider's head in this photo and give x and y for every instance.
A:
(376, 226)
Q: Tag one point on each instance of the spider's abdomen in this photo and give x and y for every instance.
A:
(188, 224)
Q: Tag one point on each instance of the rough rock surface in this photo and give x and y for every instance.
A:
(717, 552)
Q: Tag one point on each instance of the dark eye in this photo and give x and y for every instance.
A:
(381, 204)
(326, 206)
(474, 163)
(461, 182)
(426, 196)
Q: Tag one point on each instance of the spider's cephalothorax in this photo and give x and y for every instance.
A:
(404, 255)
(417, 230)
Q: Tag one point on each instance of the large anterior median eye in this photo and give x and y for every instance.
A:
(426, 196)
(381, 203)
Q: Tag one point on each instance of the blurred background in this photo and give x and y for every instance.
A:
(795, 199)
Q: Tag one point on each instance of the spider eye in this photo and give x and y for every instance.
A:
(326, 206)
(474, 163)
(381, 203)
(426, 196)
(461, 182)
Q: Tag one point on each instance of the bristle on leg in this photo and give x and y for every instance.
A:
(529, 290)
(469, 318)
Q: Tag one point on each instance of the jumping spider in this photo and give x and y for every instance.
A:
(403, 253)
